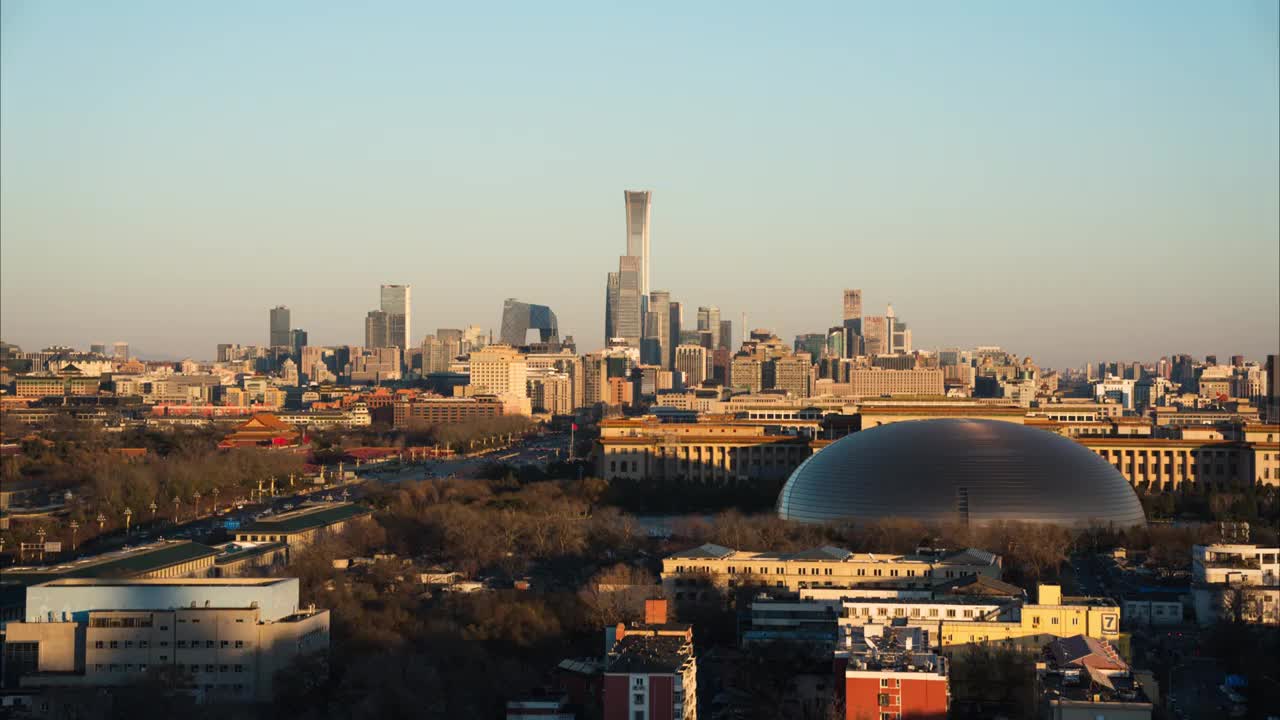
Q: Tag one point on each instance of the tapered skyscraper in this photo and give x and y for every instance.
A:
(639, 204)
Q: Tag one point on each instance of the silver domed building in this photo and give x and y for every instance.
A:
(968, 471)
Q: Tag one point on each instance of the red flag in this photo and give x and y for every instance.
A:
(573, 426)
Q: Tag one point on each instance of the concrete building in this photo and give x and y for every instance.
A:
(691, 362)
(227, 638)
(877, 382)
(686, 574)
(38, 386)
(120, 351)
(746, 373)
(446, 410)
(957, 622)
(278, 335)
(892, 672)
(1157, 464)
(1152, 609)
(794, 374)
(650, 670)
(713, 451)
(551, 392)
(1236, 582)
(500, 370)
(299, 528)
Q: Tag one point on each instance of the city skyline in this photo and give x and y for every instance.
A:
(1033, 225)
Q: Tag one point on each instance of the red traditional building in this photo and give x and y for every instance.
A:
(262, 430)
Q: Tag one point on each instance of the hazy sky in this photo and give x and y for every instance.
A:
(1076, 181)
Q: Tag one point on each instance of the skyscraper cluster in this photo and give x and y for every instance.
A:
(869, 335)
(647, 320)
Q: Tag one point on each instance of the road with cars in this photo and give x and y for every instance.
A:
(541, 449)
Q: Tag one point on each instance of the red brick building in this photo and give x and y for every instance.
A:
(442, 410)
(890, 674)
(650, 671)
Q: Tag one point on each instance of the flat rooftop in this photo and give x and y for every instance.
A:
(828, 553)
(117, 563)
(306, 518)
(166, 582)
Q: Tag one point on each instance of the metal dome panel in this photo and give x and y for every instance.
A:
(952, 470)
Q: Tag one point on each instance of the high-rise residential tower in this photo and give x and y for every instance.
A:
(396, 302)
(639, 205)
(280, 326)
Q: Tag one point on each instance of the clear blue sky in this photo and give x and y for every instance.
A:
(1076, 181)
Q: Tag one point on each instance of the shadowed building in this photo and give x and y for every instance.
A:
(520, 317)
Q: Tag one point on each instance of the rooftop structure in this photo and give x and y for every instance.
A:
(685, 573)
(302, 525)
(650, 667)
(892, 671)
(1080, 676)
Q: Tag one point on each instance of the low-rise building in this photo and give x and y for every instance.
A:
(1236, 582)
(687, 574)
(1166, 464)
(958, 621)
(226, 638)
(301, 527)
(446, 410)
(892, 672)
(651, 669)
(1150, 609)
(1084, 678)
(717, 450)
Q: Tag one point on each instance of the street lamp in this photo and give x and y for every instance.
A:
(176, 502)
(196, 497)
(215, 499)
(153, 509)
(75, 527)
(128, 516)
(102, 521)
(40, 534)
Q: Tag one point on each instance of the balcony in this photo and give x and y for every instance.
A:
(1234, 562)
